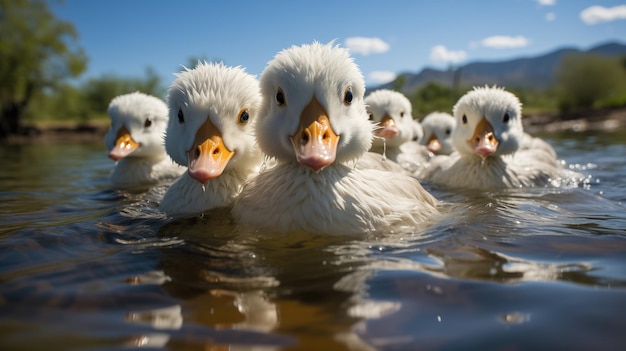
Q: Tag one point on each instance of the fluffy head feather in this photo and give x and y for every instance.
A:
(418, 131)
(497, 106)
(493, 151)
(144, 116)
(219, 93)
(304, 89)
(301, 73)
(384, 105)
(438, 128)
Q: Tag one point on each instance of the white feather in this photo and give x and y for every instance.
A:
(219, 93)
(518, 161)
(148, 163)
(401, 147)
(438, 127)
(338, 198)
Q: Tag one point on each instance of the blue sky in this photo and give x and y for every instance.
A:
(124, 37)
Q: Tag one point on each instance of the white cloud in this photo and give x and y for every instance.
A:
(440, 54)
(366, 46)
(546, 2)
(599, 14)
(550, 16)
(504, 42)
(381, 77)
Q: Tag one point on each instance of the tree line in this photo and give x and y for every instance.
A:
(40, 60)
(583, 81)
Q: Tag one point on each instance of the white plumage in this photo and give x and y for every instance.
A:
(493, 152)
(135, 141)
(212, 112)
(314, 123)
(437, 130)
(393, 113)
(418, 131)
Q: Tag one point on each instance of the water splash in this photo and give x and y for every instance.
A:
(384, 158)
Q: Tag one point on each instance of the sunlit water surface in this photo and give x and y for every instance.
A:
(85, 267)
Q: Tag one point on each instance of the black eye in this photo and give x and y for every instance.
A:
(448, 131)
(280, 97)
(147, 123)
(244, 116)
(181, 116)
(347, 96)
(371, 116)
(506, 118)
(464, 119)
(401, 113)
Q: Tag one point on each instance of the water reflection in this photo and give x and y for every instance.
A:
(284, 285)
(87, 267)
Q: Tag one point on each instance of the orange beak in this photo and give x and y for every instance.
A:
(315, 142)
(209, 156)
(387, 128)
(124, 145)
(433, 145)
(484, 142)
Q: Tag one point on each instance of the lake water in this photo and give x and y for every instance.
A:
(84, 267)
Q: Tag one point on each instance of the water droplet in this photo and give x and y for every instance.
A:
(515, 318)
(434, 289)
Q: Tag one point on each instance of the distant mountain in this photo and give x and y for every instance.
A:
(531, 72)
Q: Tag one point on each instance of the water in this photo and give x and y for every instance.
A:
(84, 267)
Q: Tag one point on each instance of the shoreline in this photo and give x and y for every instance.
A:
(602, 120)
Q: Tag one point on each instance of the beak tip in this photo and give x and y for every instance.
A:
(201, 177)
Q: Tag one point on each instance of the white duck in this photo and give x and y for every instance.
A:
(135, 141)
(487, 137)
(438, 127)
(392, 111)
(314, 123)
(418, 131)
(212, 112)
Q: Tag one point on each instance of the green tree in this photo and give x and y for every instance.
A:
(98, 92)
(399, 83)
(588, 80)
(433, 97)
(64, 103)
(37, 52)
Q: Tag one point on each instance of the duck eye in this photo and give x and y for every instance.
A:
(371, 116)
(280, 97)
(448, 131)
(347, 96)
(244, 116)
(147, 123)
(506, 118)
(401, 113)
(464, 120)
(181, 116)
